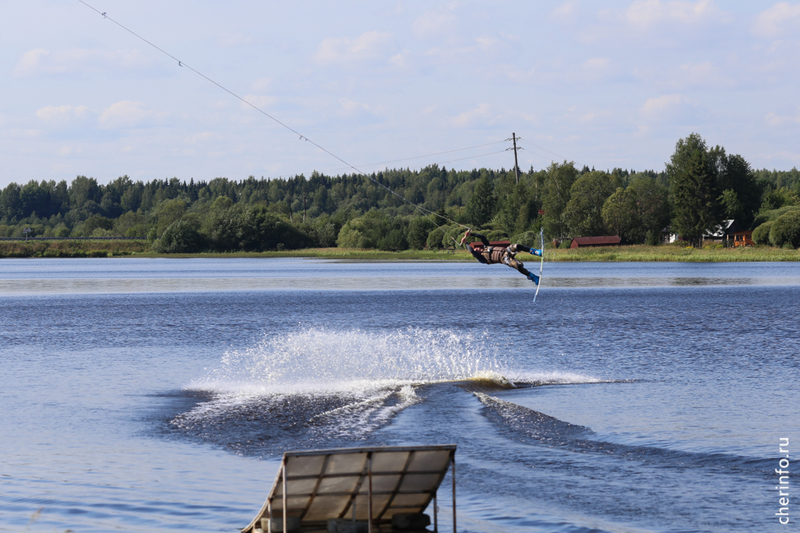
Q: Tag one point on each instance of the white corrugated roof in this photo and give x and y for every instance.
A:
(325, 484)
(720, 230)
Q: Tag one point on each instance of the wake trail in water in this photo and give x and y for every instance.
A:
(319, 387)
(529, 426)
(316, 387)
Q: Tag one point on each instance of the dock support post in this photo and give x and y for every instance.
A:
(285, 497)
(453, 456)
(369, 466)
(435, 513)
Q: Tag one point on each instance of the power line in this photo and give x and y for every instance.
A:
(182, 64)
(544, 150)
(463, 158)
(429, 155)
(473, 156)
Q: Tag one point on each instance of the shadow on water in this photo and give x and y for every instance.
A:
(267, 425)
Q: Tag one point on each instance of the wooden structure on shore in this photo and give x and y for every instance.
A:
(743, 238)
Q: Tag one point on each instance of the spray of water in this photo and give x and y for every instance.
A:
(314, 386)
(318, 384)
(315, 359)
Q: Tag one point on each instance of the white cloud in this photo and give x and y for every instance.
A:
(566, 11)
(366, 47)
(261, 84)
(433, 24)
(775, 120)
(351, 107)
(39, 61)
(596, 64)
(30, 61)
(221, 105)
(661, 103)
(485, 42)
(233, 39)
(482, 45)
(125, 114)
(203, 137)
(778, 20)
(62, 114)
(645, 13)
(703, 74)
(514, 74)
(664, 65)
(451, 38)
(596, 69)
(29, 133)
(648, 23)
(481, 114)
(669, 106)
(594, 115)
(261, 101)
(400, 60)
(783, 156)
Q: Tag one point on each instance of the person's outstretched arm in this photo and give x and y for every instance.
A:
(483, 238)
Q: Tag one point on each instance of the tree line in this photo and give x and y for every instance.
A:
(391, 210)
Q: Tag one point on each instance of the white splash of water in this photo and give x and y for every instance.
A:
(362, 417)
(315, 359)
(344, 383)
(553, 378)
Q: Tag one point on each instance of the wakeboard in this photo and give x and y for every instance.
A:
(541, 264)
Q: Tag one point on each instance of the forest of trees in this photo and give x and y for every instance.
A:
(699, 187)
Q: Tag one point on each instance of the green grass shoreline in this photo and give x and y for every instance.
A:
(634, 253)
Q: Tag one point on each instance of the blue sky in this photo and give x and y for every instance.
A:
(390, 84)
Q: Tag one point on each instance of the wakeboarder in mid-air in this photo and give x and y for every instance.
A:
(490, 255)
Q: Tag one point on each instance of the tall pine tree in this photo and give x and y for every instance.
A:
(693, 187)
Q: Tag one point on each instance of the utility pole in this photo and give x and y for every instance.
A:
(516, 166)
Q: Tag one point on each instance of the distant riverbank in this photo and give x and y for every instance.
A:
(634, 253)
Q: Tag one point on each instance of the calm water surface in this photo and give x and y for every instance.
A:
(158, 394)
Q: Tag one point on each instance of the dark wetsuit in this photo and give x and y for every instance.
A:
(491, 255)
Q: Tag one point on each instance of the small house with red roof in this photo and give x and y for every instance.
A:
(605, 240)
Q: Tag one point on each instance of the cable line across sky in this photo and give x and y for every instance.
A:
(301, 136)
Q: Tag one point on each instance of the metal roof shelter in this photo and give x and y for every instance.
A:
(720, 231)
(358, 484)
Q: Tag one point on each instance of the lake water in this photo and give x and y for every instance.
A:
(159, 394)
